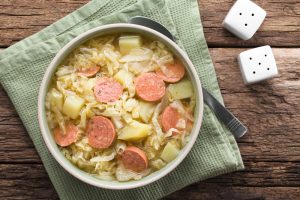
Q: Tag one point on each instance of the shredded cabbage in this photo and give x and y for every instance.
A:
(170, 132)
(181, 124)
(59, 118)
(102, 158)
(107, 176)
(83, 145)
(123, 174)
(157, 140)
(158, 109)
(158, 164)
(180, 108)
(65, 70)
(138, 55)
(111, 56)
(120, 147)
(130, 104)
(117, 122)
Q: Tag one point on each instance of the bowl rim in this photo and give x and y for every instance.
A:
(80, 174)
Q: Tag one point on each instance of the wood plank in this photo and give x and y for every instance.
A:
(204, 191)
(22, 18)
(26, 181)
(262, 174)
(29, 181)
(280, 28)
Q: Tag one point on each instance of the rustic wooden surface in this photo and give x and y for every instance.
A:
(271, 110)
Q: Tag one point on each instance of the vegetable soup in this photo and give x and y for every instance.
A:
(120, 107)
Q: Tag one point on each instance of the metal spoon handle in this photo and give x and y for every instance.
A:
(230, 121)
(144, 21)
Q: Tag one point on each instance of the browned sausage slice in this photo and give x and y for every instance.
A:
(169, 118)
(107, 90)
(100, 132)
(174, 72)
(70, 137)
(89, 72)
(150, 87)
(134, 159)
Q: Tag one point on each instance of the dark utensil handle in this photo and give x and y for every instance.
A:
(231, 122)
(144, 21)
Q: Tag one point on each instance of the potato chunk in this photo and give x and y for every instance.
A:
(134, 131)
(146, 110)
(170, 152)
(126, 43)
(181, 90)
(72, 106)
(125, 78)
(56, 98)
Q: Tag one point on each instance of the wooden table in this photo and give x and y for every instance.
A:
(271, 110)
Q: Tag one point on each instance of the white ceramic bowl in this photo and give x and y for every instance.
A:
(61, 55)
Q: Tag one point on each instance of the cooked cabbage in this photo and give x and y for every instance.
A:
(181, 124)
(123, 174)
(146, 110)
(137, 55)
(180, 108)
(158, 164)
(102, 158)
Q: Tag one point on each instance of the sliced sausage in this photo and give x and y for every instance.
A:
(134, 159)
(174, 72)
(89, 72)
(107, 90)
(70, 137)
(150, 87)
(100, 132)
(169, 118)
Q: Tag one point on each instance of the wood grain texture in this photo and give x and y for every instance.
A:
(280, 28)
(37, 186)
(270, 109)
(26, 181)
(22, 18)
(271, 148)
(205, 191)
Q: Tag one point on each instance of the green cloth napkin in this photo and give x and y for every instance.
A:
(22, 67)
